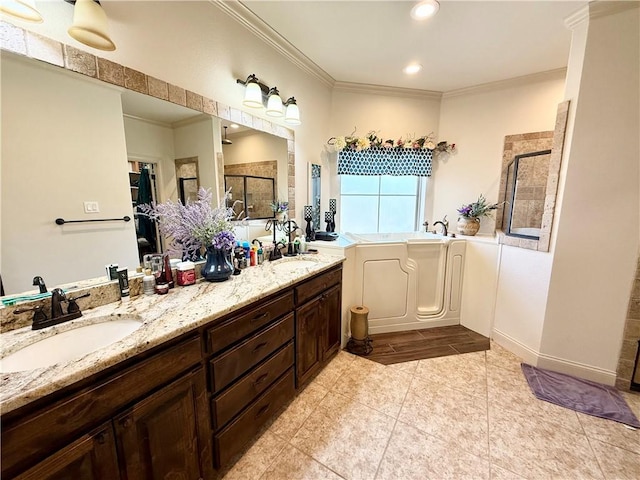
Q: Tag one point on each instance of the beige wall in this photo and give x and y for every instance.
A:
(56, 154)
(591, 277)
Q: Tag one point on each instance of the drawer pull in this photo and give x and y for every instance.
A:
(261, 379)
(263, 410)
(260, 317)
(101, 438)
(126, 422)
(259, 346)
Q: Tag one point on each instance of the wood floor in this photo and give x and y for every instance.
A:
(411, 345)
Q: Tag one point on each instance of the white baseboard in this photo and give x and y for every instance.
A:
(549, 362)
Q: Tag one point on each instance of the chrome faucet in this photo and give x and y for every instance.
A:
(444, 226)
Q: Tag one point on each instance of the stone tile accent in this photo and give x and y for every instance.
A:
(12, 38)
(224, 111)
(135, 80)
(235, 115)
(209, 106)
(80, 61)
(177, 95)
(110, 72)
(291, 146)
(158, 88)
(194, 101)
(247, 119)
(45, 49)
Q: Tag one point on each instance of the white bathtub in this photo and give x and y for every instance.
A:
(408, 280)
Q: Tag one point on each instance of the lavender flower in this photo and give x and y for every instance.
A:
(190, 227)
(279, 206)
(477, 209)
(224, 240)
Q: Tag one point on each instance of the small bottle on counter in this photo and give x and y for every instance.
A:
(253, 260)
(260, 255)
(162, 288)
(148, 282)
(186, 273)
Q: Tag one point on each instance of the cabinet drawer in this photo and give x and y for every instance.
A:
(316, 285)
(240, 326)
(225, 406)
(230, 365)
(231, 440)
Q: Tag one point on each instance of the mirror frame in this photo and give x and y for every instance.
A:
(511, 192)
(37, 47)
(527, 143)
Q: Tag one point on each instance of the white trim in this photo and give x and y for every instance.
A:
(514, 346)
(365, 88)
(558, 73)
(576, 18)
(267, 34)
(598, 9)
(550, 362)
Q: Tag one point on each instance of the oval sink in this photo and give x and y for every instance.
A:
(293, 265)
(69, 345)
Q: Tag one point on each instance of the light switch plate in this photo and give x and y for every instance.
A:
(91, 207)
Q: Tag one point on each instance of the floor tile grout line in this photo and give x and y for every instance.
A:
(394, 428)
(595, 455)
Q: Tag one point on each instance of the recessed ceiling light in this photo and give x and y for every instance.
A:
(234, 125)
(412, 68)
(425, 9)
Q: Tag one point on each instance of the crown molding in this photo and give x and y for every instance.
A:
(263, 31)
(599, 9)
(559, 73)
(368, 89)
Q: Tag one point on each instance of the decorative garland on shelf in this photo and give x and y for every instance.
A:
(372, 155)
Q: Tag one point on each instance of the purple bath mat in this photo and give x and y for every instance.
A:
(580, 395)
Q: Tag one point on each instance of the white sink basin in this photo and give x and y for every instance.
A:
(71, 344)
(292, 265)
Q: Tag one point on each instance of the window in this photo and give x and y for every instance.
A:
(380, 203)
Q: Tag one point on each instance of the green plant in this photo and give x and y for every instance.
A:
(477, 209)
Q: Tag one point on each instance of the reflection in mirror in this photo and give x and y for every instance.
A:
(256, 155)
(251, 197)
(70, 164)
(188, 178)
(525, 194)
(315, 194)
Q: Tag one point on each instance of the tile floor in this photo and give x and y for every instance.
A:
(464, 416)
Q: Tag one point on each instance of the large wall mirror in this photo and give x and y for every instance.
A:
(68, 139)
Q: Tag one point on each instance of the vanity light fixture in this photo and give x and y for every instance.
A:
(90, 25)
(89, 20)
(425, 9)
(259, 95)
(21, 10)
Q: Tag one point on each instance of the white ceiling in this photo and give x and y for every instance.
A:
(467, 43)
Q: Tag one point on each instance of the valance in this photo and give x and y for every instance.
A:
(385, 161)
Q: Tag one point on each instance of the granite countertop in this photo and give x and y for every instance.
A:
(163, 317)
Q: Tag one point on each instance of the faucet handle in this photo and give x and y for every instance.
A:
(38, 313)
(73, 306)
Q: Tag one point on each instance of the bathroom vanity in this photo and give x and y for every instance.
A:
(188, 404)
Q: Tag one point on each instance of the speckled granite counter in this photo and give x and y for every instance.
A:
(164, 318)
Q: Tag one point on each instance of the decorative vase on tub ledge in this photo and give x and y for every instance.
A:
(469, 219)
(218, 266)
(468, 225)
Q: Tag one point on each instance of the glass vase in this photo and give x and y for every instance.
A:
(218, 266)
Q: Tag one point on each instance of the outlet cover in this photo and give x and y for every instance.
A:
(91, 207)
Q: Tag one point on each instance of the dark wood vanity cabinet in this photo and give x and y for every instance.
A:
(185, 408)
(318, 323)
(91, 457)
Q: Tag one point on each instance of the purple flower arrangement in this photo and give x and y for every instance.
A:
(279, 206)
(190, 227)
(477, 209)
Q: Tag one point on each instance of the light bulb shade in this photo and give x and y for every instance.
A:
(21, 9)
(274, 104)
(90, 25)
(252, 95)
(292, 114)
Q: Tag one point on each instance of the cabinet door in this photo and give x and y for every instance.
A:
(332, 321)
(308, 334)
(167, 435)
(93, 456)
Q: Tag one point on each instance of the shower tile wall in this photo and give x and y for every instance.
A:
(530, 192)
(630, 337)
(260, 198)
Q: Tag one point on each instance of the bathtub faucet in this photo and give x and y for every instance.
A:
(444, 225)
(426, 226)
